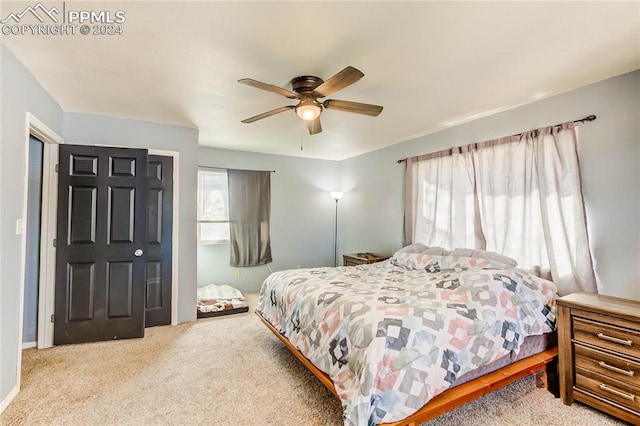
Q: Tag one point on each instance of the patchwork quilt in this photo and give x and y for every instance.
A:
(394, 334)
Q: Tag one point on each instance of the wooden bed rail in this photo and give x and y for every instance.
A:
(543, 362)
(323, 377)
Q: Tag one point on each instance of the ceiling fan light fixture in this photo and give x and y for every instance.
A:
(307, 89)
(308, 110)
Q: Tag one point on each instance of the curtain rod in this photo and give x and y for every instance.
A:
(231, 168)
(582, 120)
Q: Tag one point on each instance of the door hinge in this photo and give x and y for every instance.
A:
(53, 317)
(57, 168)
(55, 242)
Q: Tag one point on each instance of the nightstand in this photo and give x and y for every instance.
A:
(599, 353)
(362, 258)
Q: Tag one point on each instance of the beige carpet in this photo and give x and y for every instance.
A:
(223, 371)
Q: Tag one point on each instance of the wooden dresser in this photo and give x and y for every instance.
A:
(599, 353)
(362, 258)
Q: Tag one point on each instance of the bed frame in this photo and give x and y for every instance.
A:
(544, 364)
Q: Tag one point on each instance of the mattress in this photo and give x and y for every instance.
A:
(532, 345)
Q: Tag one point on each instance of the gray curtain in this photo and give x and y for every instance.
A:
(249, 217)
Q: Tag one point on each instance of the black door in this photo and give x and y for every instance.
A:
(101, 234)
(159, 240)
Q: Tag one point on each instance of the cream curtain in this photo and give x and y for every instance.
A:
(440, 189)
(520, 196)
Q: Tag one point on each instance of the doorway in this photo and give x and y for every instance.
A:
(46, 291)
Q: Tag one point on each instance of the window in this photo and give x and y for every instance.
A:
(213, 206)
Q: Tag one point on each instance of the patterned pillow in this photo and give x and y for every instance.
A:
(463, 262)
(412, 260)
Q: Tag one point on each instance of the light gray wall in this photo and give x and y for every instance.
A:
(20, 93)
(302, 217)
(91, 129)
(609, 153)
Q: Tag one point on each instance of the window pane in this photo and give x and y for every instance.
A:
(213, 195)
(209, 232)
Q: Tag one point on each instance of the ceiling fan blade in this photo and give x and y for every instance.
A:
(344, 78)
(314, 126)
(268, 114)
(358, 108)
(268, 87)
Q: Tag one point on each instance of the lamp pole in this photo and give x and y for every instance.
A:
(335, 238)
(336, 196)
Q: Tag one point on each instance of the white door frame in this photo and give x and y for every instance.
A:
(51, 140)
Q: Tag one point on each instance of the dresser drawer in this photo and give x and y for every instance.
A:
(599, 353)
(611, 390)
(607, 336)
(605, 364)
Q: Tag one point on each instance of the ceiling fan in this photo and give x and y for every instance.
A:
(307, 89)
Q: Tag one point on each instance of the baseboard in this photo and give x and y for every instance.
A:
(5, 402)
(29, 345)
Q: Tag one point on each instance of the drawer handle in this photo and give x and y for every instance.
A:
(616, 369)
(615, 339)
(617, 392)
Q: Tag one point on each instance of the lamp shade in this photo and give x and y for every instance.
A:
(336, 195)
(308, 110)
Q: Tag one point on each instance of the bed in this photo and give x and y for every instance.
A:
(405, 340)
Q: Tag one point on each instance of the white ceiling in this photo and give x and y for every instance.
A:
(431, 65)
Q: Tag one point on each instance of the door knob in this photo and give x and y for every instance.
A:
(138, 252)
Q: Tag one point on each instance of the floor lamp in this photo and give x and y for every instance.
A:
(336, 196)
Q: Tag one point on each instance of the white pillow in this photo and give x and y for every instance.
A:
(466, 252)
(421, 248)
(413, 248)
(435, 251)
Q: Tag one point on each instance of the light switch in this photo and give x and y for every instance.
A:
(19, 226)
